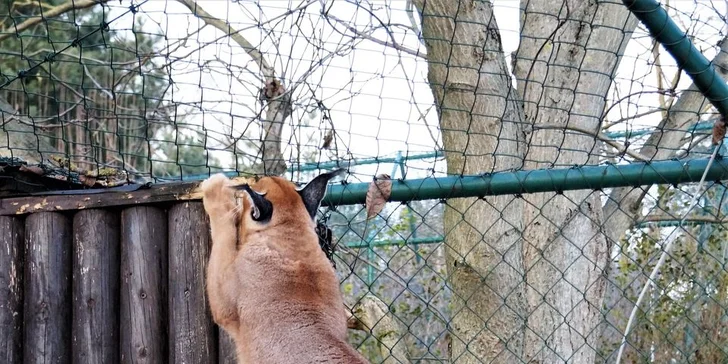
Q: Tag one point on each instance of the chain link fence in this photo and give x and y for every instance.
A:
(451, 95)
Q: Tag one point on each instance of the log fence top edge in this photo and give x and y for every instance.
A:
(156, 193)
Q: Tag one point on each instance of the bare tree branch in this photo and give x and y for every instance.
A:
(51, 13)
(234, 34)
(409, 8)
(385, 43)
(608, 124)
(619, 147)
(279, 102)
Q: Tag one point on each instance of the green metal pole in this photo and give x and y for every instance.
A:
(541, 180)
(411, 241)
(335, 164)
(399, 158)
(676, 42)
(670, 223)
(634, 133)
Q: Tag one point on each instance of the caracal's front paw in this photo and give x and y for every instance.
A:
(217, 197)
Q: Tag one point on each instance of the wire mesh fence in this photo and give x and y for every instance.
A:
(105, 93)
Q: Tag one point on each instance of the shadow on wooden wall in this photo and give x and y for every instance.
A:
(122, 285)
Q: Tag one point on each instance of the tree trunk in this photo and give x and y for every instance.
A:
(569, 53)
(480, 122)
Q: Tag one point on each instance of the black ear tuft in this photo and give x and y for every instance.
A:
(262, 209)
(315, 191)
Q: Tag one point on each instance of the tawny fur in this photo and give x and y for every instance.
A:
(270, 286)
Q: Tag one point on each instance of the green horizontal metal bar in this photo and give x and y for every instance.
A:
(376, 160)
(541, 180)
(705, 125)
(670, 223)
(701, 126)
(379, 243)
(687, 57)
(319, 166)
(440, 239)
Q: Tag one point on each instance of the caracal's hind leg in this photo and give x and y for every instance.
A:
(219, 202)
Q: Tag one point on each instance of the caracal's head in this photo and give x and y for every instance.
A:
(273, 201)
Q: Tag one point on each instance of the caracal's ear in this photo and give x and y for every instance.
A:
(262, 209)
(314, 191)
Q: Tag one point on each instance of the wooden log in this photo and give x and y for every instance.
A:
(88, 199)
(143, 329)
(47, 304)
(95, 328)
(191, 330)
(227, 349)
(11, 289)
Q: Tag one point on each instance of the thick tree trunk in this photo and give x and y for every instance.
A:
(480, 122)
(565, 64)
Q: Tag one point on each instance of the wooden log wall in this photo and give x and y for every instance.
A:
(108, 286)
(12, 235)
(95, 328)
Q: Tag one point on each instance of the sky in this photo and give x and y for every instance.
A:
(376, 96)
